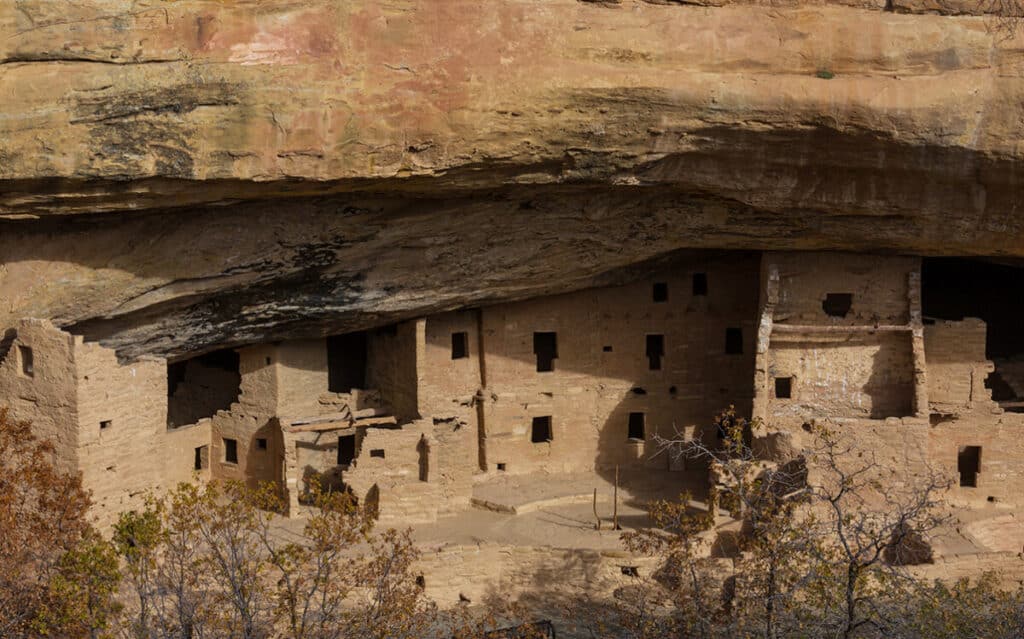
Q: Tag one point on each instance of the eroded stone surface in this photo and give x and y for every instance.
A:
(264, 167)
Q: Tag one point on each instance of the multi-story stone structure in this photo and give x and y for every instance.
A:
(409, 416)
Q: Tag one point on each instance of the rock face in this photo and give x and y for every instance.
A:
(177, 176)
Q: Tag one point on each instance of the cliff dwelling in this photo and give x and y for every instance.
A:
(506, 276)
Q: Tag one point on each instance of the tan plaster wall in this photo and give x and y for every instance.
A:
(392, 366)
(867, 375)
(879, 286)
(301, 376)
(957, 366)
(861, 373)
(259, 368)
(446, 385)
(48, 399)
(589, 394)
(126, 459)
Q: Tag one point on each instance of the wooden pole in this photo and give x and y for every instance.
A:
(596, 516)
(615, 505)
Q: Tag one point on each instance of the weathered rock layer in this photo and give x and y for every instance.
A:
(175, 176)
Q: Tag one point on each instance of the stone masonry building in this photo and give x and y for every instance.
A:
(409, 416)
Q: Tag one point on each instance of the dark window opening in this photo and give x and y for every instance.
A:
(734, 341)
(261, 443)
(631, 571)
(700, 283)
(540, 431)
(346, 449)
(202, 459)
(346, 362)
(230, 451)
(783, 387)
(501, 466)
(638, 391)
(660, 292)
(956, 289)
(545, 347)
(377, 452)
(607, 349)
(672, 390)
(636, 426)
(421, 583)
(460, 345)
(837, 304)
(105, 424)
(268, 361)
(655, 351)
(201, 386)
(968, 464)
(28, 365)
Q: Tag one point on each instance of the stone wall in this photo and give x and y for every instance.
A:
(957, 365)
(605, 370)
(47, 395)
(392, 360)
(839, 334)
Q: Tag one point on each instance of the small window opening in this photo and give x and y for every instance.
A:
(655, 351)
(991, 499)
(639, 391)
(837, 304)
(540, 431)
(202, 458)
(268, 361)
(700, 283)
(968, 464)
(28, 366)
(421, 583)
(460, 345)
(545, 347)
(230, 451)
(377, 452)
(607, 349)
(501, 466)
(660, 292)
(783, 387)
(261, 443)
(631, 571)
(346, 449)
(672, 390)
(734, 341)
(105, 424)
(636, 426)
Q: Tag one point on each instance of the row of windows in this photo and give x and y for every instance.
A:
(541, 432)
(545, 347)
(699, 287)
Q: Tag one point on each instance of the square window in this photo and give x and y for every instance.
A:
(28, 365)
(545, 347)
(460, 345)
(230, 451)
(700, 284)
(540, 431)
(636, 425)
(655, 351)
(734, 341)
(261, 443)
(660, 292)
(501, 466)
(783, 387)
(837, 304)
(607, 349)
(377, 452)
(105, 424)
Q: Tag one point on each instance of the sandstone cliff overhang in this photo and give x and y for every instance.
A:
(175, 176)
